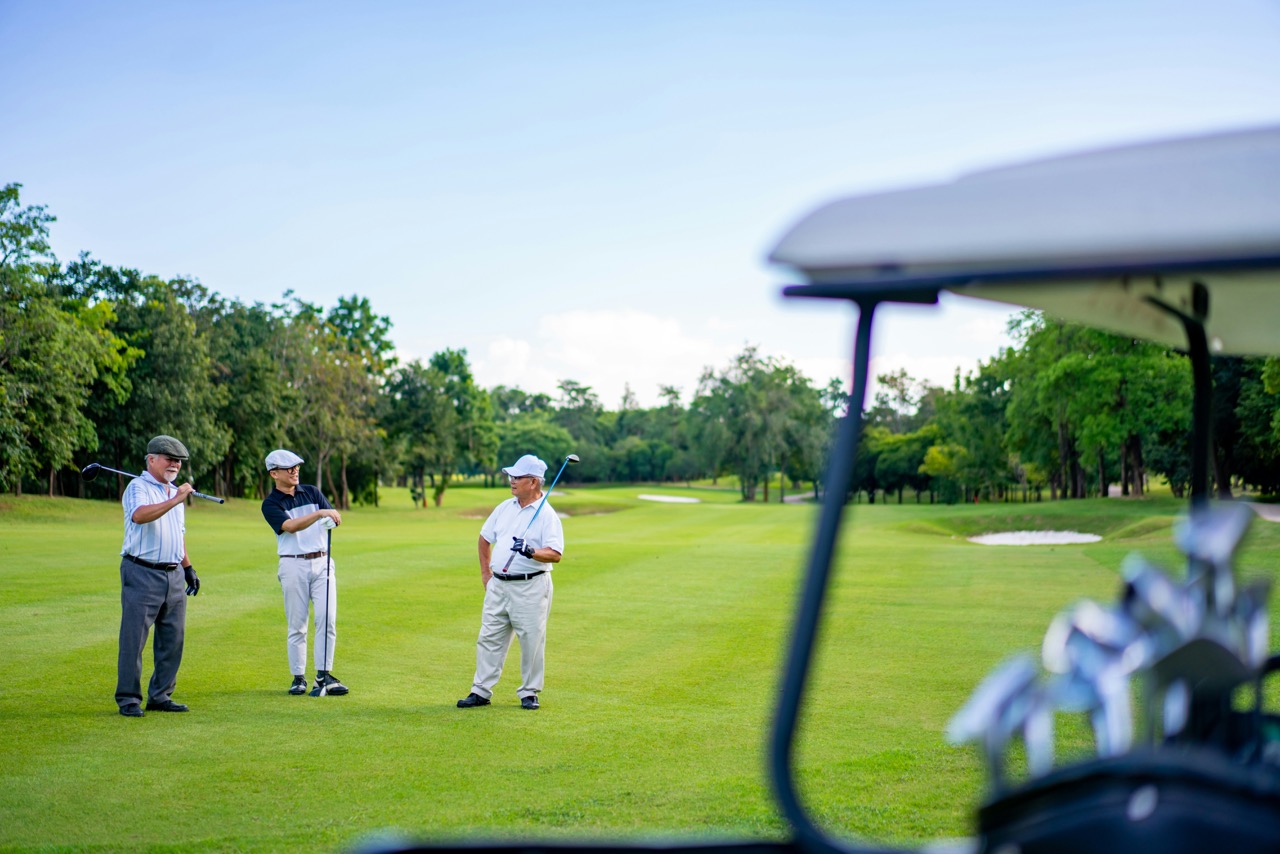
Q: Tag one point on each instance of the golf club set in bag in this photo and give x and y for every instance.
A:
(1185, 646)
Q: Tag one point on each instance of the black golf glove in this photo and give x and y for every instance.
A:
(193, 580)
(520, 547)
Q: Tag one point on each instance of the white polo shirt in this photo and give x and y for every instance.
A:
(161, 541)
(508, 520)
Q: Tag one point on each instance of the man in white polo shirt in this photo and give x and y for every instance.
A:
(301, 516)
(517, 579)
(156, 577)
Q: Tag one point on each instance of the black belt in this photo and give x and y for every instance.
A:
(165, 567)
(307, 556)
(524, 577)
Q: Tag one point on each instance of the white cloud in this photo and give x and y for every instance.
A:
(608, 349)
(604, 349)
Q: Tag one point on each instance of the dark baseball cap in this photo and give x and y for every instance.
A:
(168, 446)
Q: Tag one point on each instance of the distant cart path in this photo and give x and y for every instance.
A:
(1270, 512)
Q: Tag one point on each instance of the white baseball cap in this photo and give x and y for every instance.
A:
(527, 465)
(283, 459)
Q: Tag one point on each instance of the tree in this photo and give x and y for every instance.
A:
(443, 418)
(54, 346)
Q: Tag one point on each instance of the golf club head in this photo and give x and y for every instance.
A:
(572, 458)
(981, 713)
(90, 471)
(1213, 535)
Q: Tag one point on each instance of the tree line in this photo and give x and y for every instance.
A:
(95, 359)
(1070, 410)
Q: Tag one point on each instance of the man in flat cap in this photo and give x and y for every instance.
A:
(156, 577)
(301, 515)
(517, 580)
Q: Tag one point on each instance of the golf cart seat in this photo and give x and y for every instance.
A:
(1191, 799)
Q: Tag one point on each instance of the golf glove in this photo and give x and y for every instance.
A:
(193, 580)
(520, 547)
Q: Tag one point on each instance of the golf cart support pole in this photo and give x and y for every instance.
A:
(809, 610)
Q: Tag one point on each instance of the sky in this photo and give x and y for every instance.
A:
(580, 190)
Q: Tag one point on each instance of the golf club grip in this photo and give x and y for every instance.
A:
(215, 499)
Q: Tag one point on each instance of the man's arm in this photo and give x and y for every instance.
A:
(546, 554)
(293, 526)
(151, 512)
(486, 551)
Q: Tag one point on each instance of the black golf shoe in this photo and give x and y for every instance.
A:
(332, 686)
(530, 702)
(131, 711)
(299, 685)
(166, 706)
(472, 700)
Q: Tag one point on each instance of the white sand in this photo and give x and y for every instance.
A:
(1035, 538)
(670, 499)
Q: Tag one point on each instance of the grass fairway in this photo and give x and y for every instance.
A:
(663, 653)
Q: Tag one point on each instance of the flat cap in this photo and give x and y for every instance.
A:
(168, 446)
(283, 459)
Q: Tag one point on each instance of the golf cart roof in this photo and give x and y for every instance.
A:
(1102, 238)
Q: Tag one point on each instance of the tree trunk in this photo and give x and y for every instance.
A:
(1103, 489)
(1220, 475)
(1137, 466)
(346, 494)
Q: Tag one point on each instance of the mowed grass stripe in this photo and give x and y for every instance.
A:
(665, 643)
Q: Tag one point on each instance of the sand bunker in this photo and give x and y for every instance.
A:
(670, 499)
(1035, 538)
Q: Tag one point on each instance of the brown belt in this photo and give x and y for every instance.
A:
(307, 556)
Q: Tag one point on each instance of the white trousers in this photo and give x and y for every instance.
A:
(303, 582)
(520, 608)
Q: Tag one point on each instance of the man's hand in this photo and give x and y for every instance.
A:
(520, 547)
(193, 580)
(185, 489)
(335, 519)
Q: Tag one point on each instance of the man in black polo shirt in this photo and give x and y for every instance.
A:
(301, 517)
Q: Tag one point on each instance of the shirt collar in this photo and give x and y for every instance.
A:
(146, 475)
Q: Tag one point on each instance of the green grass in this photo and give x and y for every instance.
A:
(663, 655)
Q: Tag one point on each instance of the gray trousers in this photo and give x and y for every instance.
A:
(150, 597)
(513, 609)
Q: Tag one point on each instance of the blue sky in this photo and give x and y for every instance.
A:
(579, 190)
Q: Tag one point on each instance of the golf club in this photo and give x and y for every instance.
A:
(90, 471)
(328, 562)
(572, 458)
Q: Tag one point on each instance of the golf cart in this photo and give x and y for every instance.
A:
(1177, 242)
